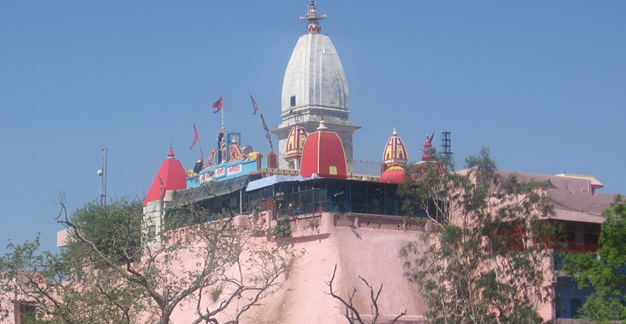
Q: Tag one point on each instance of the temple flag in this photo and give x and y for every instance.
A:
(267, 132)
(218, 105)
(264, 124)
(195, 136)
(254, 105)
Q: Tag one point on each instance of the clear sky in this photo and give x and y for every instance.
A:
(542, 83)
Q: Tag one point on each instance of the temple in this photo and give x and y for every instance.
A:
(313, 179)
(338, 215)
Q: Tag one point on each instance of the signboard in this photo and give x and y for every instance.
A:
(225, 172)
(234, 169)
(206, 177)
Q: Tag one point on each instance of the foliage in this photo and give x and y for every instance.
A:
(603, 270)
(484, 259)
(62, 288)
(115, 229)
(115, 276)
(282, 228)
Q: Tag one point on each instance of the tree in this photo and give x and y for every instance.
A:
(112, 272)
(115, 229)
(604, 270)
(351, 314)
(484, 258)
(76, 285)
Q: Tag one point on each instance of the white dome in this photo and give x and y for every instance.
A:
(315, 79)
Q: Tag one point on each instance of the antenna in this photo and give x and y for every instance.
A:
(103, 179)
(446, 144)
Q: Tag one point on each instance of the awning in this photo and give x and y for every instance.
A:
(214, 189)
(277, 178)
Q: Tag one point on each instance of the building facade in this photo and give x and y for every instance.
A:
(338, 218)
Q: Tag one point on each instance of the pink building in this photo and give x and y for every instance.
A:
(337, 215)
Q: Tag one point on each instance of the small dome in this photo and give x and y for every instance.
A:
(295, 141)
(323, 154)
(395, 151)
(393, 174)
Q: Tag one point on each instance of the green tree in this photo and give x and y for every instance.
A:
(483, 256)
(115, 229)
(76, 285)
(604, 270)
(113, 272)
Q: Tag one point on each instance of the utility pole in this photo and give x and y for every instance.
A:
(103, 179)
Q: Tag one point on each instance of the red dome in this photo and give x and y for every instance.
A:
(323, 154)
(394, 174)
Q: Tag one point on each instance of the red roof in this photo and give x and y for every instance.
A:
(394, 174)
(171, 176)
(324, 155)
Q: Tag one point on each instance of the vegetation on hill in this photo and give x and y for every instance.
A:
(115, 270)
(483, 256)
(604, 270)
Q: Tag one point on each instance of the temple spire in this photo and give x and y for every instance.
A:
(428, 149)
(313, 18)
(315, 84)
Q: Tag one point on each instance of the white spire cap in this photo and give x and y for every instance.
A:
(322, 126)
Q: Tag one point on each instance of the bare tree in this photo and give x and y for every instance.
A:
(351, 314)
(121, 277)
(264, 269)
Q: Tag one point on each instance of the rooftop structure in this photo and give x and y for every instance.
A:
(295, 145)
(315, 88)
(171, 176)
(395, 157)
(323, 155)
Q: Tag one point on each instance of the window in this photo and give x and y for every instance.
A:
(151, 235)
(24, 312)
(579, 237)
(293, 101)
(574, 306)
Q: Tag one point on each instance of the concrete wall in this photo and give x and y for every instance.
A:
(369, 253)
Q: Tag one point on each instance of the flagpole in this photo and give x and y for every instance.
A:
(196, 140)
(200, 146)
(224, 128)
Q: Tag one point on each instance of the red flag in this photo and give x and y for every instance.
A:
(267, 132)
(264, 124)
(195, 136)
(218, 105)
(254, 105)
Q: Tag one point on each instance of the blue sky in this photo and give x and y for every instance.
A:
(542, 83)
